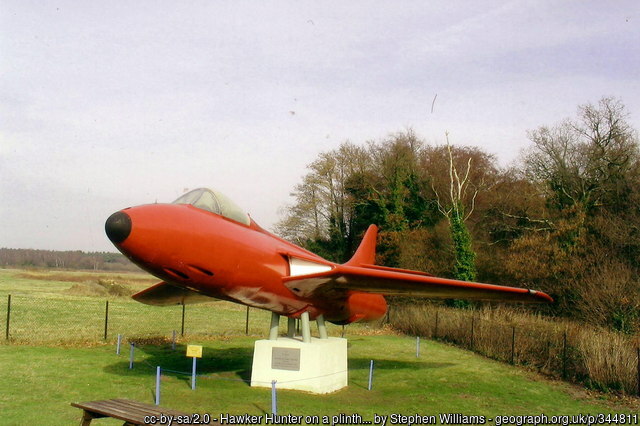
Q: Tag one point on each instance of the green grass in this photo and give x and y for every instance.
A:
(39, 383)
(52, 283)
(45, 310)
(57, 356)
(67, 320)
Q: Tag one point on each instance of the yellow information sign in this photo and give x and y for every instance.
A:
(194, 351)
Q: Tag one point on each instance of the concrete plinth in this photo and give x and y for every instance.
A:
(319, 366)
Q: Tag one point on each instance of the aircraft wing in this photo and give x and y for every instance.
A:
(163, 294)
(390, 281)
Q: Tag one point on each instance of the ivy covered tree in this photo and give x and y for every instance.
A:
(454, 209)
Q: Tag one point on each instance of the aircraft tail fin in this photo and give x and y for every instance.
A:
(366, 252)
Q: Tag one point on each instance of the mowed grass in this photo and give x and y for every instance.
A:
(57, 355)
(38, 383)
(74, 320)
(49, 307)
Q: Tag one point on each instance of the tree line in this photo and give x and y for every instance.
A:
(563, 219)
(31, 258)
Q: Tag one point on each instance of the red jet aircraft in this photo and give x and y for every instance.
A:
(202, 245)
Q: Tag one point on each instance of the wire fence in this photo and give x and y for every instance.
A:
(598, 358)
(47, 320)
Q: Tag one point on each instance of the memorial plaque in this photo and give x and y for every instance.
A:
(285, 359)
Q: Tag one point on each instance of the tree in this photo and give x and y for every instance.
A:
(401, 192)
(394, 194)
(322, 215)
(587, 169)
(349, 188)
(583, 163)
(468, 172)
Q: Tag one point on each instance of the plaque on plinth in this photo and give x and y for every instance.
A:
(319, 366)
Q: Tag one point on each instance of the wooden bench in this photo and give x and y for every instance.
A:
(132, 412)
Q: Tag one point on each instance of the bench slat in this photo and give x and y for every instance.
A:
(124, 409)
(149, 408)
(113, 409)
(139, 411)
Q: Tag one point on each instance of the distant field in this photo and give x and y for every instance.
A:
(59, 283)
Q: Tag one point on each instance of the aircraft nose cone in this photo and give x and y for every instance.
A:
(118, 227)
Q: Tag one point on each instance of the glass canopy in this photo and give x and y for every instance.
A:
(214, 202)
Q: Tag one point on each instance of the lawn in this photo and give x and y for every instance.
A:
(57, 355)
(52, 307)
(38, 383)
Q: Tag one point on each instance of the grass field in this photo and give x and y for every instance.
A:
(66, 307)
(38, 383)
(40, 378)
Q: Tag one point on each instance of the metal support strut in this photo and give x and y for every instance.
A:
(306, 330)
(322, 328)
(291, 327)
(275, 323)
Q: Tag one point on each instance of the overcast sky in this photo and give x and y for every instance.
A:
(107, 104)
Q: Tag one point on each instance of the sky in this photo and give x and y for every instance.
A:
(109, 104)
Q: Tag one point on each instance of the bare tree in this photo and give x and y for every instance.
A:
(583, 163)
(459, 190)
(324, 208)
(457, 207)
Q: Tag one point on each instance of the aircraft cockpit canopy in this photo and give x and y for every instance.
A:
(214, 202)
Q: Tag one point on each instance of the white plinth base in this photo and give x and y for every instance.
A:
(322, 366)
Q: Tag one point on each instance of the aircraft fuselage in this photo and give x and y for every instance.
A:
(207, 253)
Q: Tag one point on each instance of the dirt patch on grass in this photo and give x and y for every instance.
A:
(149, 340)
(99, 288)
(374, 329)
(86, 289)
(91, 284)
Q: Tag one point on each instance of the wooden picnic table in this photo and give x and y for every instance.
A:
(132, 412)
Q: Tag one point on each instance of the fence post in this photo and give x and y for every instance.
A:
(435, 333)
(182, 329)
(639, 371)
(513, 344)
(6, 335)
(193, 374)
(370, 376)
(274, 398)
(106, 319)
(133, 346)
(548, 351)
(246, 327)
(564, 356)
(473, 319)
(158, 377)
